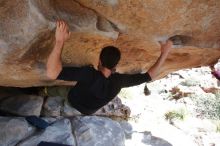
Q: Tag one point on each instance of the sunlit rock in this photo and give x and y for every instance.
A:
(27, 35)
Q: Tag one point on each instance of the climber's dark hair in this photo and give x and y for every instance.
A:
(110, 56)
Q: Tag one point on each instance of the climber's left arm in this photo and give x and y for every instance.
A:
(128, 80)
(54, 63)
(155, 69)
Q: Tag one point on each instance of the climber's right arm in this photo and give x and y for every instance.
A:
(54, 63)
(155, 68)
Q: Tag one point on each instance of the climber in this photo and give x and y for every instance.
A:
(95, 88)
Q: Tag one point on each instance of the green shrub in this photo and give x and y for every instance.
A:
(207, 105)
(175, 115)
(176, 93)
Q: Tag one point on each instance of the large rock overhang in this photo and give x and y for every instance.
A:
(135, 26)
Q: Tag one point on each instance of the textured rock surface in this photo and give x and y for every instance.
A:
(57, 106)
(97, 131)
(114, 108)
(59, 132)
(27, 30)
(22, 105)
(13, 130)
(52, 106)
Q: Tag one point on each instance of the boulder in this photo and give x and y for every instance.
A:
(127, 128)
(114, 108)
(69, 111)
(59, 132)
(27, 35)
(57, 105)
(22, 105)
(13, 130)
(53, 106)
(98, 131)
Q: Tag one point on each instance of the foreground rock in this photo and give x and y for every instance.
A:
(97, 131)
(6, 92)
(53, 106)
(115, 108)
(13, 130)
(22, 105)
(59, 132)
(82, 131)
(57, 105)
(26, 35)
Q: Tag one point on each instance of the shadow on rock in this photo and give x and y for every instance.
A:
(149, 139)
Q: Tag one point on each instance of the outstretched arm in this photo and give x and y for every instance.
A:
(155, 69)
(54, 63)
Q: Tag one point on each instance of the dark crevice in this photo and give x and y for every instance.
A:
(181, 40)
(8, 114)
(114, 26)
(100, 20)
(9, 92)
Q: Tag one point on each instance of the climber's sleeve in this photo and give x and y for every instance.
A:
(128, 80)
(74, 73)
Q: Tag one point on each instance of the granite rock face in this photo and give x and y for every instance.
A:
(99, 131)
(60, 132)
(27, 35)
(52, 106)
(13, 130)
(22, 105)
(114, 108)
(57, 106)
(83, 131)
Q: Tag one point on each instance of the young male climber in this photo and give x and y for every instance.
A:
(95, 88)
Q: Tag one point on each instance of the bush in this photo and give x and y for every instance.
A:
(175, 115)
(207, 105)
(177, 94)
